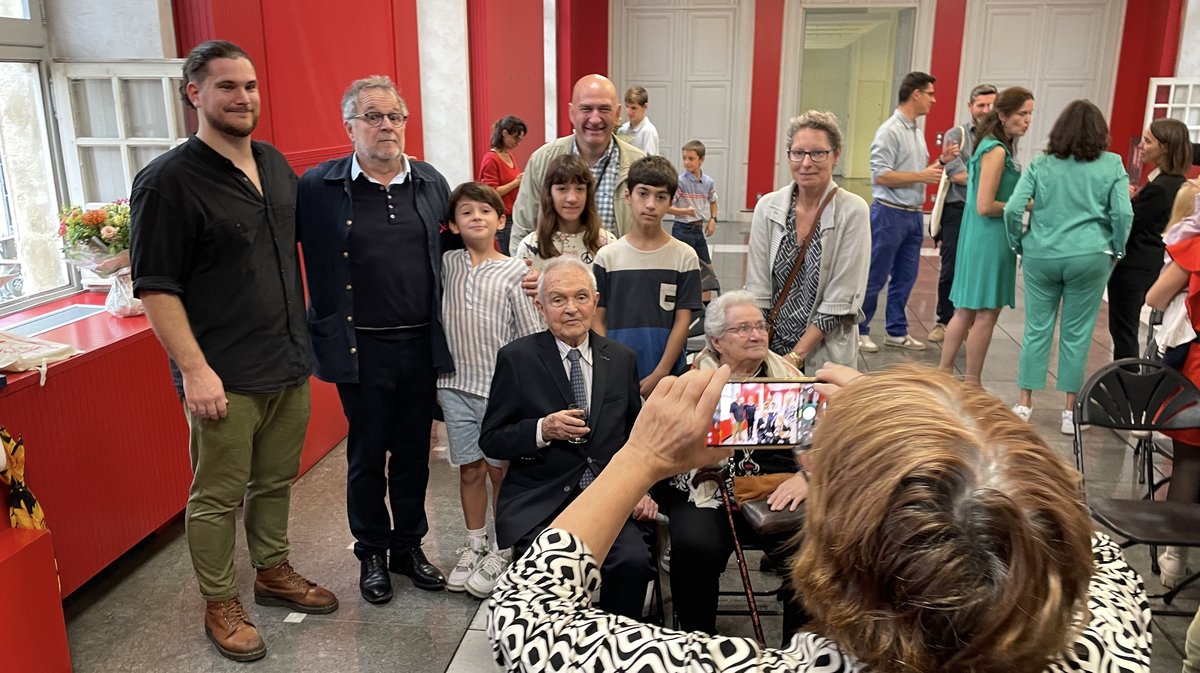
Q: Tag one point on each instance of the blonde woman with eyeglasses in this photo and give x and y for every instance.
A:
(815, 315)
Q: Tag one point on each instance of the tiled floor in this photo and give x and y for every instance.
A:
(144, 614)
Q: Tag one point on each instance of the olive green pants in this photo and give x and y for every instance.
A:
(251, 455)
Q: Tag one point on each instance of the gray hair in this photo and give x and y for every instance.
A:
(820, 121)
(714, 314)
(350, 98)
(558, 265)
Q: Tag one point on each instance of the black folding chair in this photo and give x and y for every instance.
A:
(1141, 394)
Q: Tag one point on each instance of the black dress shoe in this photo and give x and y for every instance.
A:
(373, 580)
(412, 562)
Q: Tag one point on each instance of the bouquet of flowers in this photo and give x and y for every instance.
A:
(98, 240)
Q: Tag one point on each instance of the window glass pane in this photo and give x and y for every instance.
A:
(145, 116)
(177, 107)
(30, 260)
(1180, 94)
(103, 174)
(94, 107)
(140, 156)
(14, 9)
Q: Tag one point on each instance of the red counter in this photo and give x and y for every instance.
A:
(106, 440)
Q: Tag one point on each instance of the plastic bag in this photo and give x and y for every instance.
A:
(20, 354)
(120, 301)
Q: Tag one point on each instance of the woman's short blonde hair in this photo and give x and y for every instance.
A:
(818, 120)
(942, 533)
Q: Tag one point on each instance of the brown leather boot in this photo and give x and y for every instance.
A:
(231, 632)
(282, 586)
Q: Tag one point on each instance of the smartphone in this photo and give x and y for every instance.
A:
(766, 413)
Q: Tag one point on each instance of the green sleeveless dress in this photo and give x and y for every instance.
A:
(986, 274)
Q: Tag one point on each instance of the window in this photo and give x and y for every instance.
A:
(1176, 98)
(123, 115)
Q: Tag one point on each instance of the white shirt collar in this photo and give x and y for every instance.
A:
(356, 170)
(585, 349)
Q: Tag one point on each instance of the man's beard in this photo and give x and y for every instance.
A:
(219, 124)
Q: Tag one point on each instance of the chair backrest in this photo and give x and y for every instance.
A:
(1138, 394)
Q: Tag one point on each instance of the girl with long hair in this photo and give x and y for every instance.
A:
(569, 223)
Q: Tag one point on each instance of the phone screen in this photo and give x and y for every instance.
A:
(774, 413)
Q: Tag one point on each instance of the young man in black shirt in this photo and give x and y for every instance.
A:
(215, 263)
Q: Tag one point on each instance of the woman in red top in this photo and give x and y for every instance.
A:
(499, 169)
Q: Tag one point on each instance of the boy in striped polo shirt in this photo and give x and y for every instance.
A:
(695, 203)
(483, 309)
(649, 282)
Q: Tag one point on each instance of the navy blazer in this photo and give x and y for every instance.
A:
(323, 208)
(530, 382)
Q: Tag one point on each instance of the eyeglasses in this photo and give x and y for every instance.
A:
(376, 118)
(743, 330)
(817, 156)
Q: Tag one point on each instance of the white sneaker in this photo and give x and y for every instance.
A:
(906, 342)
(1172, 564)
(1023, 412)
(469, 558)
(866, 345)
(1068, 422)
(483, 580)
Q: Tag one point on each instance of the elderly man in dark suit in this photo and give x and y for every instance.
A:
(562, 402)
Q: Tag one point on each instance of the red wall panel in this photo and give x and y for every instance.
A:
(507, 71)
(582, 49)
(306, 52)
(764, 99)
(1149, 46)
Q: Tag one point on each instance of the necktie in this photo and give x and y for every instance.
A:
(577, 388)
(580, 394)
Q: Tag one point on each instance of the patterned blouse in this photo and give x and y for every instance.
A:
(541, 619)
(797, 313)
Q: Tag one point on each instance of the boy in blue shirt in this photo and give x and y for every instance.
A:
(695, 204)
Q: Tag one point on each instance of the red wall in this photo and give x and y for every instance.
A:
(1149, 47)
(306, 52)
(764, 99)
(582, 33)
(507, 71)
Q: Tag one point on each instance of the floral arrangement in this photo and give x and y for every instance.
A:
(108, 225)
(98, 240)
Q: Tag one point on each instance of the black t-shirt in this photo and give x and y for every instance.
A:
(200, 230)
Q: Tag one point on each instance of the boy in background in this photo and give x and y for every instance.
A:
(695, 203)
(483, 309)
(649, 282)
(641, 132)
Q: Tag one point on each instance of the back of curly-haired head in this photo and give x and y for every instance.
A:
(942, 533)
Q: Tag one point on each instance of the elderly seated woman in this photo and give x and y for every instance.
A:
(701, 541)
(943, 534)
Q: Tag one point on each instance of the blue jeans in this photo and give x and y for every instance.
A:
(896, 237)
(692, 233)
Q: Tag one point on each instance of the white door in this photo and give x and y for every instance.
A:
(1060, 50)
(684, 54)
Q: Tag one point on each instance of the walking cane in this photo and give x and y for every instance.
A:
(719, 476)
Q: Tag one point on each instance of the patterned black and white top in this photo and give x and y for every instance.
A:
(541, 619)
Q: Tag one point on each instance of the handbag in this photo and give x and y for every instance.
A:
(939, 202)
(791, 279)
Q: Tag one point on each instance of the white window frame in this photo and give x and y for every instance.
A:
(1190, 108)
(115, 71)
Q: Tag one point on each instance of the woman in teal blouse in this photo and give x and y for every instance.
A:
(988, 283)
(1077, 232)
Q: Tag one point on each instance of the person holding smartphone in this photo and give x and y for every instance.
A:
(701, 541)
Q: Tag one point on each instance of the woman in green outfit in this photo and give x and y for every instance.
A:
(983, 287)
(1077, 232)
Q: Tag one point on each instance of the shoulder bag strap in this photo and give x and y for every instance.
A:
(791, 279)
